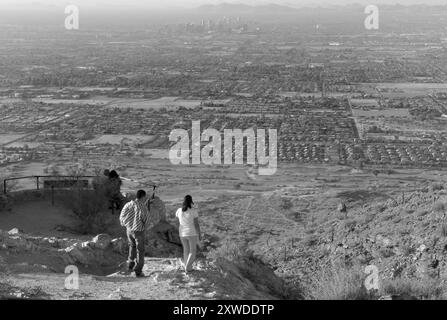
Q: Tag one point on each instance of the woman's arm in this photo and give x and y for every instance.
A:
(197, 225)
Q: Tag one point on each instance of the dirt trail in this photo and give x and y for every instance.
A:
(164, 280)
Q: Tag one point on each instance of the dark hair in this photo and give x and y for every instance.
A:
(113, 174)
(141, 194)
(106, 172)
(187, 203)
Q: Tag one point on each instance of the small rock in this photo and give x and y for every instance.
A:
(386, 242)
(86, 244)
(14, 231)
(210, 294)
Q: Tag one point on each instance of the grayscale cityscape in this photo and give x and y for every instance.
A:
(223, 150)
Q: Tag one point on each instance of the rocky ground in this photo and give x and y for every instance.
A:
(35, 267)
(315, 231)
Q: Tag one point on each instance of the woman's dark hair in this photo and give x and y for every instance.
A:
(187, 203)
(113, 174)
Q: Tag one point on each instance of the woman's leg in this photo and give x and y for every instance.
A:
(186, 249)
(192, 252)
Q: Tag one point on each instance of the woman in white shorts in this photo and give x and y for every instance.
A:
(189, 231)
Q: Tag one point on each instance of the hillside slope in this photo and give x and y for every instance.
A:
(33, 267)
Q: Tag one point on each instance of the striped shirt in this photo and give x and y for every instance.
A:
(135, 216)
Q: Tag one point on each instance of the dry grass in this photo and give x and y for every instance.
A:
(439, 207)
(437, 186)
(347, 283)
(338, 283)
(230, 251)
(405, 288)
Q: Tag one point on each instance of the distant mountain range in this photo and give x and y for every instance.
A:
(211, 5)
(233, 8)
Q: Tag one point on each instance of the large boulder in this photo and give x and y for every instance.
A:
(166, 231)
(163, 240)
(119, 245)
(101, 241)
(14, 231)
(158, 209)
(76, 255)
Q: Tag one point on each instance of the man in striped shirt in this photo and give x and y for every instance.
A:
(135, 217)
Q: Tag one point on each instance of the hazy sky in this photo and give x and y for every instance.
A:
(194, 3)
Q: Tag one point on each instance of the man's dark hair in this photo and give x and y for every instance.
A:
(141, 194)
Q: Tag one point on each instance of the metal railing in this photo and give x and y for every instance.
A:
(40, 178)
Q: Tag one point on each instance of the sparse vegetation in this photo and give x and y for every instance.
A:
(437, 186)
(443, 231)
(231, 251)
(91, 207)
(338, 283)
(405, 288)
(421, 213)
(439, 207)
(386, 252)
(286, 204)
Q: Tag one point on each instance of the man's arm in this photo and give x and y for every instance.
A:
(124, 213)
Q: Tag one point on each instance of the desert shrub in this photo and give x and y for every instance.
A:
(437, 186)
(286, 204)
(349, 224)
(422, 213)
(367, 218)
(387, 217)
(407, 250)
(405, 231)
(5, 203)
(338, 283)
(231, 251)
(386, 252)
(310, 240)
(236, 257)
(397, 219)
(439, 207)
(443, 231)
(412, 288)
(381, 207)
(296, 216)
(91, 208)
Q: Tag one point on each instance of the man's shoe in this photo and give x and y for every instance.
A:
(139, 274)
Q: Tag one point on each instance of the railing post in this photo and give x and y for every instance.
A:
(37, 182)
(4, 186)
